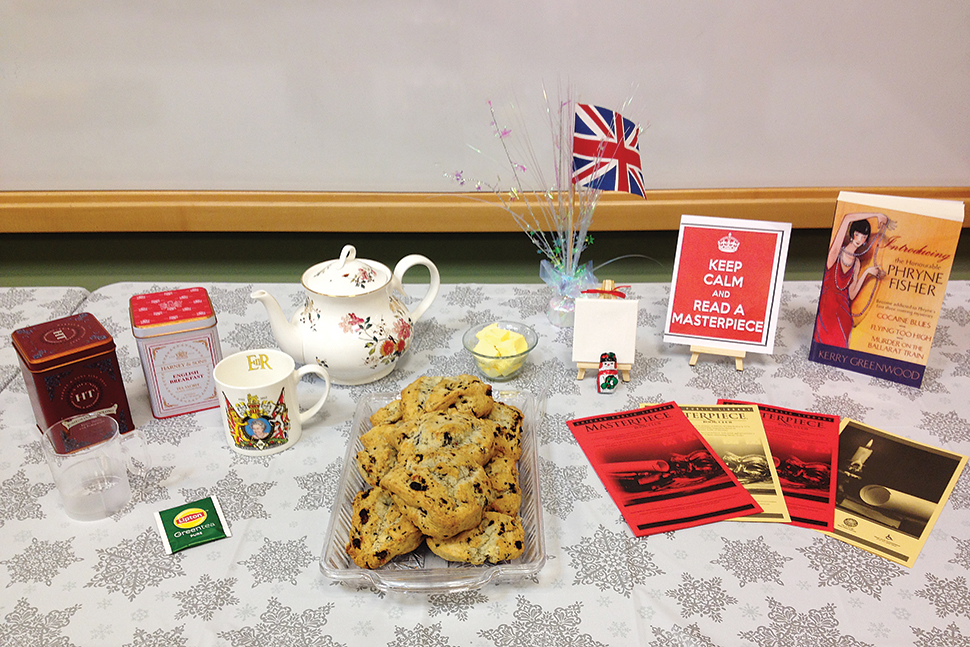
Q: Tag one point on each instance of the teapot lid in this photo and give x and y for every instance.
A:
(346, 276)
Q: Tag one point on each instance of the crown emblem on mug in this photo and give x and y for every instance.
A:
(728, 244)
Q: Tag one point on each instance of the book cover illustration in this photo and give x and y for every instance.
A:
(805, 448)
(885, 278)
(659, 470)
(891, 490)
(737, 434)
(725, 292)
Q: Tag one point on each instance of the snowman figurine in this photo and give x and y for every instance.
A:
(607, 378)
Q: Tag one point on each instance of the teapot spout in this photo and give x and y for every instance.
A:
(287, 334)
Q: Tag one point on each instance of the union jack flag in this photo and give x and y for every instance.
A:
(606, 151)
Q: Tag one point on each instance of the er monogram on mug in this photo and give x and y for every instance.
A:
(258, 400)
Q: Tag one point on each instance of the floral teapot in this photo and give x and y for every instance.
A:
(351, 323)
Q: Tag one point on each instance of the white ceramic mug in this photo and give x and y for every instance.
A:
(90, 461)
(258, 400)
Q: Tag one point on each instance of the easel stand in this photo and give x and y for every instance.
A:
(738, 355)
(606, 289)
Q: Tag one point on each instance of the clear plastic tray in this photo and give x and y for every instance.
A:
(421, 571)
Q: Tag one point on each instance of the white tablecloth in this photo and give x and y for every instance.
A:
(110, 582)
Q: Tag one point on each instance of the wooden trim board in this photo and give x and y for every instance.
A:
(260, 211)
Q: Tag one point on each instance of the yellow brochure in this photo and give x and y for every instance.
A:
(735, 432)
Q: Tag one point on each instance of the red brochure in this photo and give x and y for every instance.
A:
(805, 448)
(659, 470)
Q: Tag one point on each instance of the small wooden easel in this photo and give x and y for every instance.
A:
(738, 355)
(605, 289)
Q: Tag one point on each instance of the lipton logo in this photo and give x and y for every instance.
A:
(189, 518)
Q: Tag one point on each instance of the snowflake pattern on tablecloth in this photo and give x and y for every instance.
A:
(465, 296)
(800, 317)
(648, 369)
(949, 427)
(19, 500)
(420, 636)
(797, 366)
(41, 561)
(8, 374)
(238, 498)
(689, 636)
(279, 561)
(698, 596)
(235, 300)
(947, 596)
(960, 496)
(133, 565)
(249, 334)
(280, 627)
(532, 626)
(751, 561)
(958, 315)
(33, 454)
(932, 383)
(147, 488)
(720, 377)
(529, 302)
(840, 405)
(553, 429)
(961, 363)
(321, 487)
(942, 337)
(853, 569)
(25, 626)
(12, 298)
(430, 335)
(456, 604)
(936, 637)
(962, 557)
(66, 304)
(159, 638)
(818, 628)
(550, 377)
(205, 598)
(563, 486)
(171, 431)
(612, 561)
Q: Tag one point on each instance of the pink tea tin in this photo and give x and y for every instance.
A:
(179, 347)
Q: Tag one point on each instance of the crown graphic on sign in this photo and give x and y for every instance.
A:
(728, 244)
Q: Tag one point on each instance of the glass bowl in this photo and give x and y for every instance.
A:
(498, 368)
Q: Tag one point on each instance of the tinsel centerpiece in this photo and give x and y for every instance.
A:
(594, 150)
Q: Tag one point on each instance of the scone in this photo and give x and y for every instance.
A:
(441, 494)
(390, 413)
(497, 538)
(379, 452)
(436, 393)
(508, 441)
(379, 532)
(462, 434)
(503, 479)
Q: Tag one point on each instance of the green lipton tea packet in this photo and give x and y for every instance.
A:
(191, 524)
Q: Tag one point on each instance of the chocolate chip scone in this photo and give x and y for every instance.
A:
(379, 531)
(443, 494)
(508, 441)
(379, 452)
(503, 477)
(390, 413)
(436, 393)
(464, 435)
(497, 538)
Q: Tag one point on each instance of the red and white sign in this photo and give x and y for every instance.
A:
(726, 287)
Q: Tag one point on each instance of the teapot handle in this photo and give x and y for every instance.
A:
(403, 266)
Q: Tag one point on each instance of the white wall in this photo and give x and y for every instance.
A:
(390, 95)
